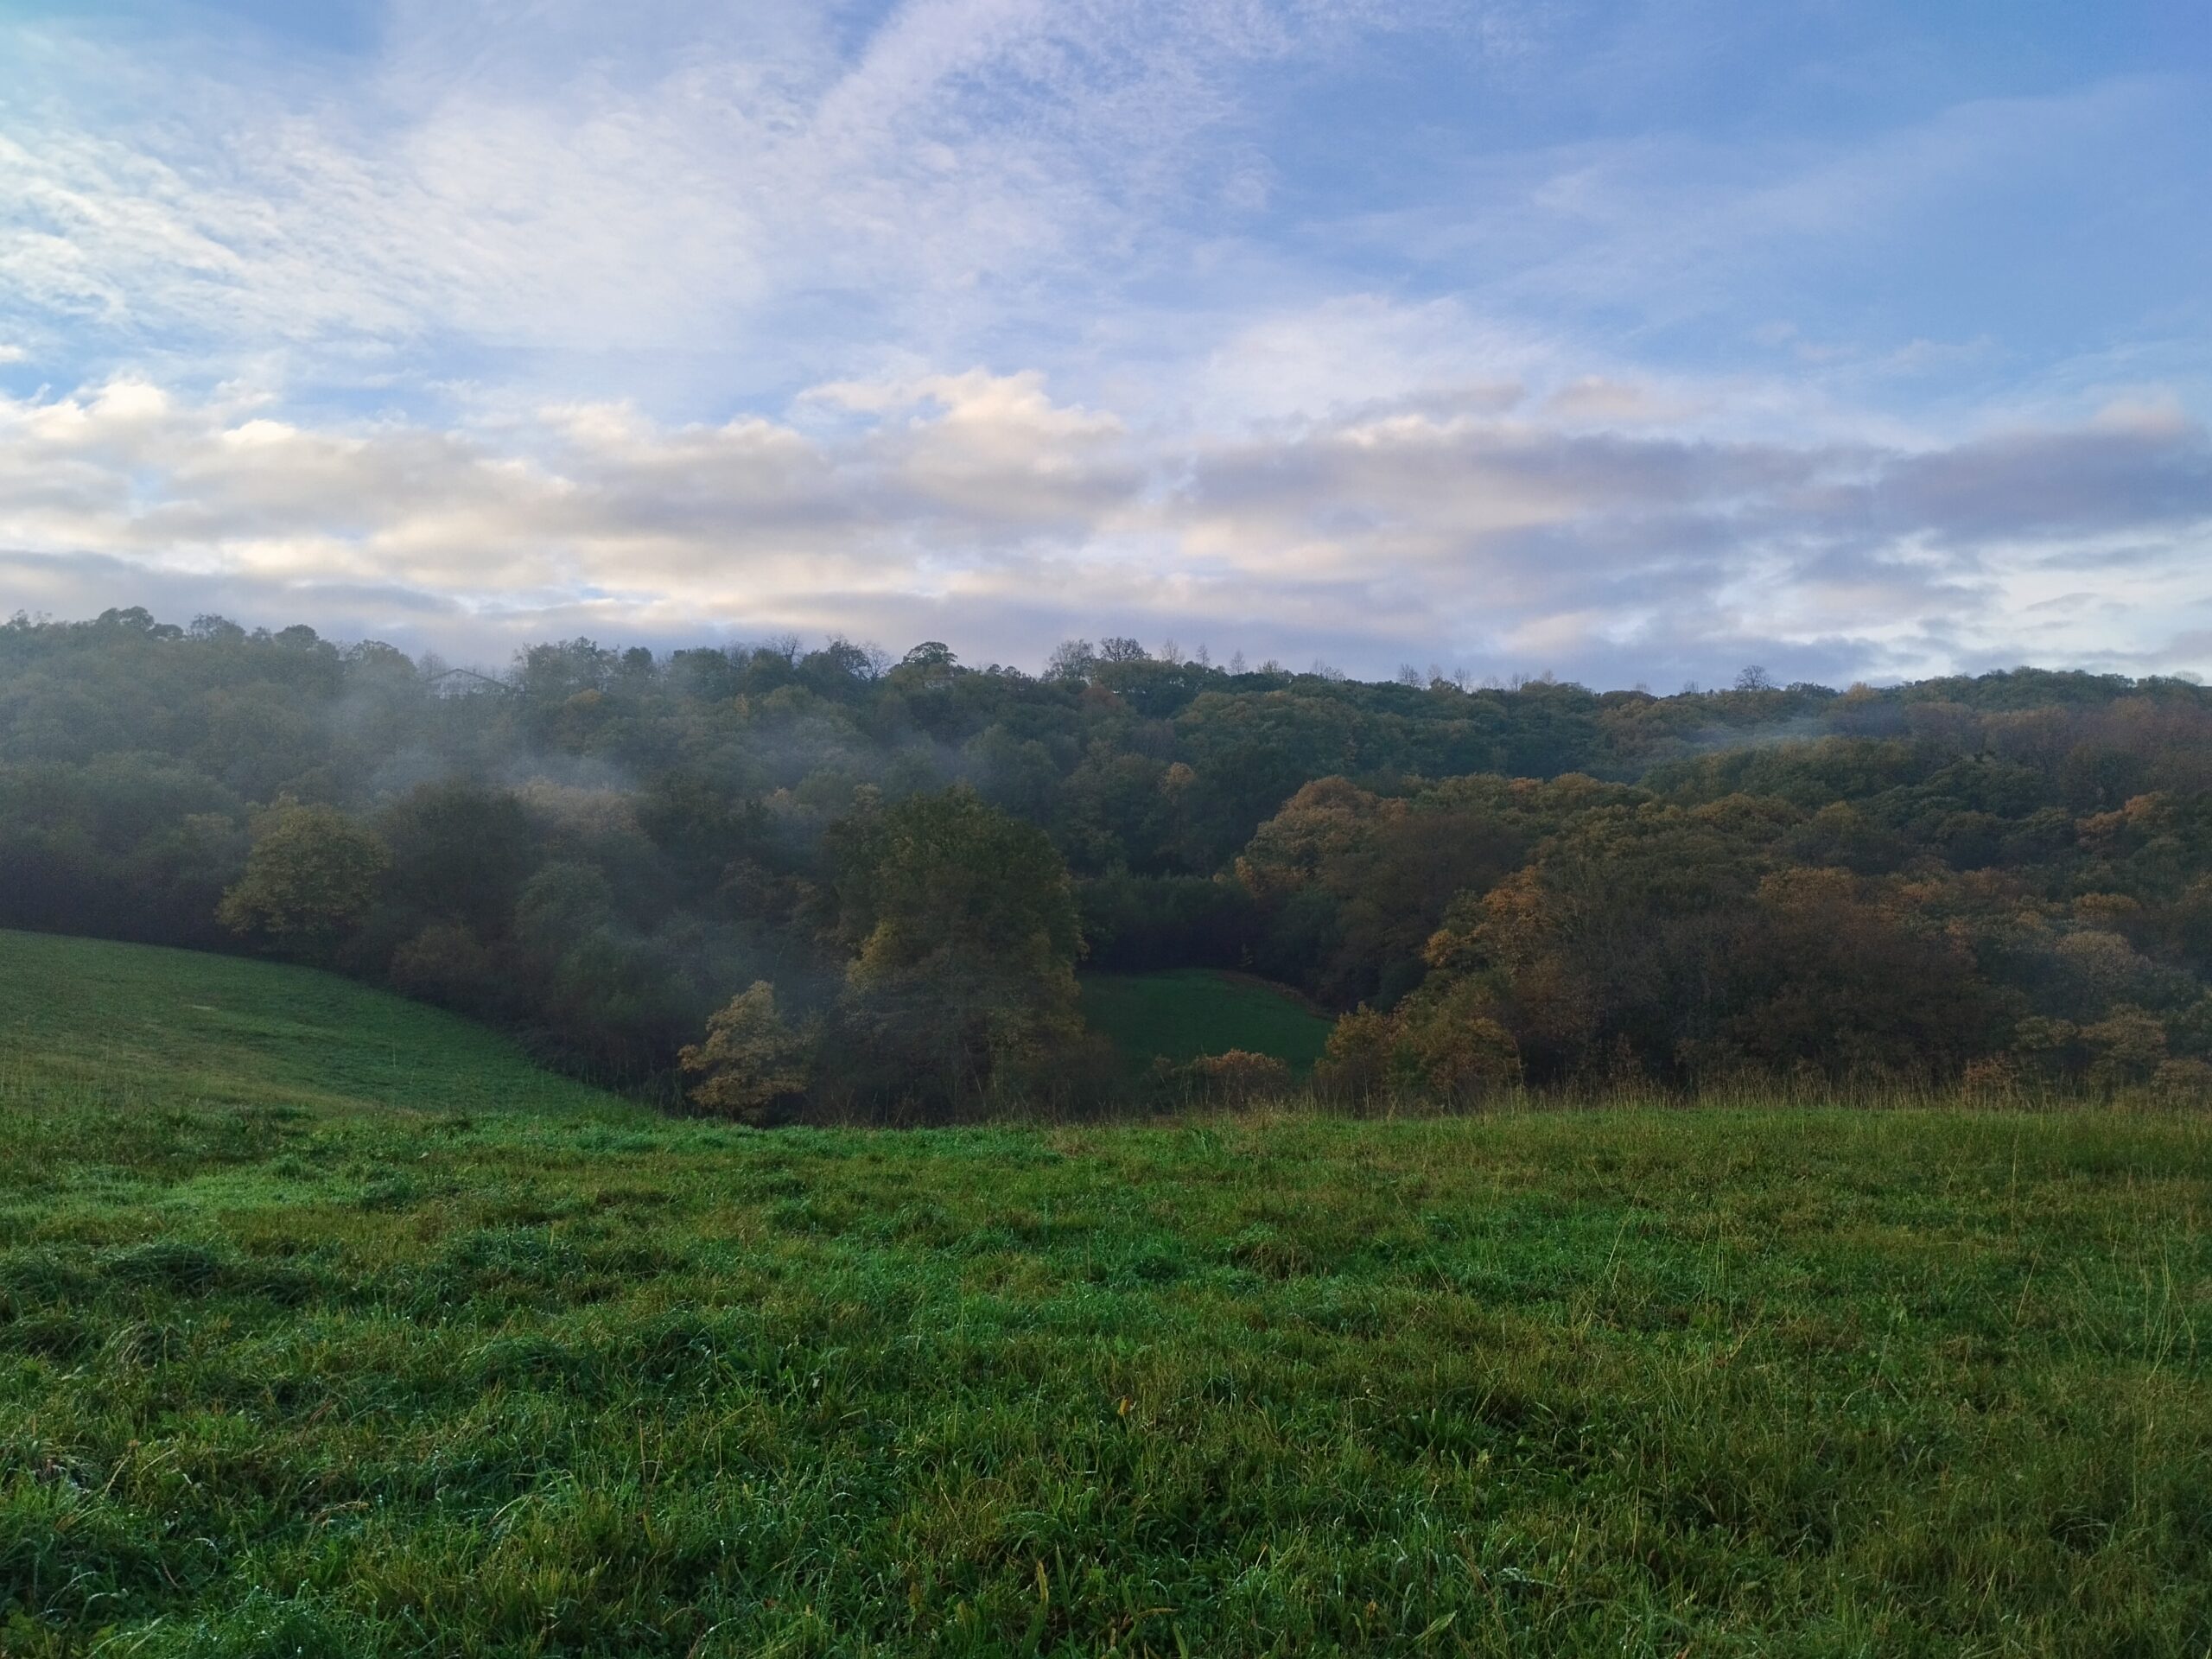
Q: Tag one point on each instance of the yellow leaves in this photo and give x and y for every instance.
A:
(2129, 1046)
(2101, 831)
(2106, 909)
(2184, 1081)
(1991, 1080)
(1754, 818)
(1446, 949)
(1324, 824)
(881, 954)
(1356, 1062)
(1805, 892)
(1460, 1055)
(1517, 918)
(751, 1060)
(2139, 816)
(1444, 1042)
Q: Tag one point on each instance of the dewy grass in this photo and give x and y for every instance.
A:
(297, 1357)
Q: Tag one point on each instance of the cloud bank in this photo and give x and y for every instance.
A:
(1497, 534)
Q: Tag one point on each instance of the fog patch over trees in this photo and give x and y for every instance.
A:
(777, 882)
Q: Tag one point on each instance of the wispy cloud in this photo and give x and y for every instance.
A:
(926, 189)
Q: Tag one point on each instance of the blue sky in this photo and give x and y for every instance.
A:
(1630, 343)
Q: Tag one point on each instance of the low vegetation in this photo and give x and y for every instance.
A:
(327, 1324)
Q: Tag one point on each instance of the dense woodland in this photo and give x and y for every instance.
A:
(785, 881)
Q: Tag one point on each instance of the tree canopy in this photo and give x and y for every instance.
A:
(2007, 877)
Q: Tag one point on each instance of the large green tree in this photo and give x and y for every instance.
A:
(311, 876)
(964, 934)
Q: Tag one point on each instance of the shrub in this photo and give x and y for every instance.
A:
(1992, 1079)
(1240, 1077)
(2129, 1046)
(1356, 1067)
(1451, 1046)
(2182, 1083)
(445, 962)
(1462, 1060)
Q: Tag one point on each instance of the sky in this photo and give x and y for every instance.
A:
(1632, 343)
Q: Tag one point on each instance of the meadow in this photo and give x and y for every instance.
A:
(329, 1325)
(1179, 1013)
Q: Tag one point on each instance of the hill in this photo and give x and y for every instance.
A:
(142, 1023)
(433, 1353)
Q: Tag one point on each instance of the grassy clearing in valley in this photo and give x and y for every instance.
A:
(352, 1369)
(1183, 1012)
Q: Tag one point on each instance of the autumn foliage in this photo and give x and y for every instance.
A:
(767, 880)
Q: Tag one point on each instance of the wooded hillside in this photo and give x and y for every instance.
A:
(2006, 879)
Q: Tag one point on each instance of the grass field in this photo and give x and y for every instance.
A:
(147, 1027)
(301, 1353)
(1187, 1012)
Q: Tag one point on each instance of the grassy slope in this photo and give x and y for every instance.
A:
(177, 1027)
(1186, 1011)
(408, 1379)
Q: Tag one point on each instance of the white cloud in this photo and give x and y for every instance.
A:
(978, 508)
(542, 183)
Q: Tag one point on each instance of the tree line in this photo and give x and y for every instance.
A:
(778, 881)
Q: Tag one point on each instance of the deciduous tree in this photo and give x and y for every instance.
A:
(752, 1064)
(311, 876)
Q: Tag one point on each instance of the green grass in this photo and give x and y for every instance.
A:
(1187, 1012)
(177, 1026)
(292, 1369)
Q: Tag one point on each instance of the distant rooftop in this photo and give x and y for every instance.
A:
(463, 683)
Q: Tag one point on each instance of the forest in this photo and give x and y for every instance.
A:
(774, 882)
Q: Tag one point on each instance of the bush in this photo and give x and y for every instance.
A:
(1995, 1079)
(445, 962)
(1240, 1077)
(2182, 1083)
(1463, 1060)
(1356, 1067)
